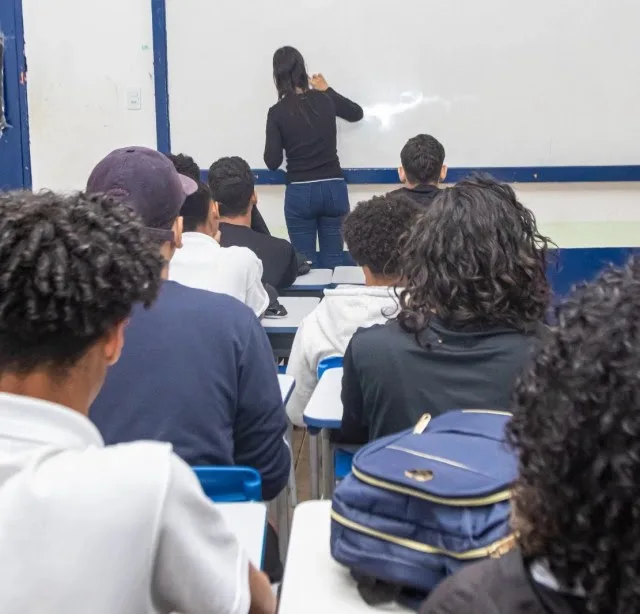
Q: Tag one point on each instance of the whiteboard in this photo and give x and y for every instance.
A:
(499, 82)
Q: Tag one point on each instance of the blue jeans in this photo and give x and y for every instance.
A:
(317, 209)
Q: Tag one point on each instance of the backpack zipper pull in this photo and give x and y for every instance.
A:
(423, 423)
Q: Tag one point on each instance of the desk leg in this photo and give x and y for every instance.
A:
(313, 464)
(328, 473)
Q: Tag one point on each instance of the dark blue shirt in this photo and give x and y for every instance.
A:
(197, 371)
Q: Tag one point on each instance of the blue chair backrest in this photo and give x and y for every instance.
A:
(230, 484)
(333, 362)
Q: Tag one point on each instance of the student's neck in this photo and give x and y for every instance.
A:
(242, 220)
(41, 385)
(413, 186)
(372, 280)
(203, 229)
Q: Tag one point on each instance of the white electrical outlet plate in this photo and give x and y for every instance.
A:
(134, 99)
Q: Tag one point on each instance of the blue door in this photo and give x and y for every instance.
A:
(15, 165)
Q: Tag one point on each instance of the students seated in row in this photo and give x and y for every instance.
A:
(186, 165)
(233, 189)
(576, 429)
(372, 233)
(422, 169)
(197, 370)
(202, 263)
(476, 291)
(84, 527)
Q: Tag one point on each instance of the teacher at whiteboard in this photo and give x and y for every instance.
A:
(302, 124)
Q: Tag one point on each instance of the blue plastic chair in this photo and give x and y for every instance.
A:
(333, 362)
(230, 484)
(342, 460)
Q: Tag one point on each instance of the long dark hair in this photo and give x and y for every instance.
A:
(474, 257)
(289, 71)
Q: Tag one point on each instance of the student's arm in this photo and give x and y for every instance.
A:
(291, 272)
(273, 147)
(199, 565)
(257, 222)
(261, 421)
(353, 429)
(305, 376)
(256, 296)
(345, 108)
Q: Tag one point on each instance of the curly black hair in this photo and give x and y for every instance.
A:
(232, 184)
(71, 267)
(576, 429)
(474, 257)
(186, 166)
(422, 159)
(372, 231)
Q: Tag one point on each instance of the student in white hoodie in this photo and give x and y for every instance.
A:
(372, 232)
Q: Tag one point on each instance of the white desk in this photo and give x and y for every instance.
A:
(348, 275)
(287, 384)
(316, 279)
(298, 309)
(323, 411)
(313, 581)
(248, 521)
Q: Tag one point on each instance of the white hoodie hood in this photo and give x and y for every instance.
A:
(327, 332)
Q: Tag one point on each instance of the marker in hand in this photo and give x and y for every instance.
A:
(318, 82)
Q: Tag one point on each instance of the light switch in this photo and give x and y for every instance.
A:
(134, 99)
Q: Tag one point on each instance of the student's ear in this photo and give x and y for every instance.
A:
(443, 173)
(254, 199)
(213, 218)
(113, 343)
(214, 210)
(177, 232)
(402, 175)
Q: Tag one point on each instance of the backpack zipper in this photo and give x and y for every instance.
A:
(477, 553)
(498, 497)
(437, 459)
(495, 412)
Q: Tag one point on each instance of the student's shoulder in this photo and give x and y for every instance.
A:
(371, 338)
(197, 305)
(241, 256)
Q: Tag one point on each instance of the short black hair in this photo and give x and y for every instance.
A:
(475, 257)
(372, 231)
(576, 429)
(196, 208)
(186, 166)
(71, 267)
(232, 184)
(422, 159)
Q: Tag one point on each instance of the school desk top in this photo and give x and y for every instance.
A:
(313, 581)
(248, 521)
(324, 409)
(298, 309)
(315, 279)
(348, 275)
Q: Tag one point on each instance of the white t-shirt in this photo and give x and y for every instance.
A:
(203, 264)
(86, 528)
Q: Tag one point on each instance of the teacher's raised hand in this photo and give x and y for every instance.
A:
(318, 82)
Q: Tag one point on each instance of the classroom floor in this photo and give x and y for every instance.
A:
(301, 458)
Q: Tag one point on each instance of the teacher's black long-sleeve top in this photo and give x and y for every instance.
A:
(304, 126)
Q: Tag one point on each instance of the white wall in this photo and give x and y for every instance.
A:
(83, 56)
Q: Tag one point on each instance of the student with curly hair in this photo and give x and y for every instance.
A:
(476, 291)
(422, 168)
(372, 232)
(576, 429)
(84, 527)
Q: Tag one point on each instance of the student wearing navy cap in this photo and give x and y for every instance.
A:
(197, 370)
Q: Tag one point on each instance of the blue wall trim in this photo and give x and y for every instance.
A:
(161, 74)
(518, 174)
(24, 105)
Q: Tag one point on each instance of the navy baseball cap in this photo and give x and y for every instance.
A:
(146, 181)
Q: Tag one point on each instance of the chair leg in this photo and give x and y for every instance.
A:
(313, 465)
(328, 473)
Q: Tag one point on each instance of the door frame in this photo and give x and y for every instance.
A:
(15, 31)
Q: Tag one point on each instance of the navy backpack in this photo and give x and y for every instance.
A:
(421, 503)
